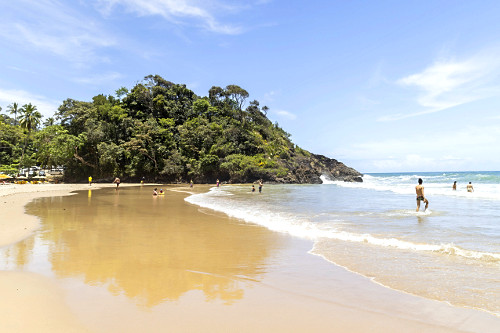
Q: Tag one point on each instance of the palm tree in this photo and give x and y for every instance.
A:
(14, 109)
(29, 119)
(49, 122)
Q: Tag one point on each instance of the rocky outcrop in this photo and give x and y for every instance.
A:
(335, 170)
(309, 169)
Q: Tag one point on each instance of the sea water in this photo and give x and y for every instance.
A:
(450, 252)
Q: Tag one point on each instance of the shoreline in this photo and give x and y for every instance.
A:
(375, 281)
(339, 297)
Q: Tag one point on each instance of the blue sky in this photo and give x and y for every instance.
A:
(382, 86)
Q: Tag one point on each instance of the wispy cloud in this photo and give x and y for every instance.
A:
(177, 11)
(269, 96)
(285, 114)
(17, 69)
(447, 150)
(52, 26)
(450, 83)
(46, 106)
(99, 79)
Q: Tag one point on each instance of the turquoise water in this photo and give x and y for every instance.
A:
(449, 253)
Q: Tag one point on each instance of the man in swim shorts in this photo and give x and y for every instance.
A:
(420, 195)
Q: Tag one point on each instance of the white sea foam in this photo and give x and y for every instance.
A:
(302, 227)
(434, 185)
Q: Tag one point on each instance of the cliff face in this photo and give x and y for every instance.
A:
(308, 170)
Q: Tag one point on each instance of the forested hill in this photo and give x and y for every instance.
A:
(165, 132)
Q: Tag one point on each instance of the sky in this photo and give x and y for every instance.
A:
(382, 86)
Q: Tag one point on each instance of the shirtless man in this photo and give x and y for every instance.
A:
(420, 195)
(117, 182)
(470, 188)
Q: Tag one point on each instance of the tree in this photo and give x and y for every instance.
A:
(237, 94)
(49, 122)
(121, 92)
(10, 148)
(55, 146)
(30, 118)
(14, 109)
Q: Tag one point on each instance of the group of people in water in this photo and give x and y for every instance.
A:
(156, 192)
(261, 184)
(470, 188)
(421, 197)
(161, 192)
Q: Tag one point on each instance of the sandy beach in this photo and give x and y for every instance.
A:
(205, 273)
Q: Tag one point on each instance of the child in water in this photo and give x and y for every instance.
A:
(161, 191)
(154, 191)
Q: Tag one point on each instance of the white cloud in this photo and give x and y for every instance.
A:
(448, 150)
(284, 114)
(177, 11)
(450, 83)
(269, 96)
(99, 79)
(53, 27)
(46, 106)
(14, 68)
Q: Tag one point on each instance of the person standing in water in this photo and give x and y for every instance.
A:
(117, 182)
(470, 188)
(455, 185)
(420, 195)
(217, 183)
(260, 186)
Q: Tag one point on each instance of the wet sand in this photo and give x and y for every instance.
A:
(93, 265)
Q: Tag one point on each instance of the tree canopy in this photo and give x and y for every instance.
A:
(158, 130)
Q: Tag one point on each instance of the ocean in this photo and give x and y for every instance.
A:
(450, 253)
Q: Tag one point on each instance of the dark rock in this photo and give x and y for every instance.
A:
(309, 169)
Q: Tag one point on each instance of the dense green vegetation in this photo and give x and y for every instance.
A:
(158, 130)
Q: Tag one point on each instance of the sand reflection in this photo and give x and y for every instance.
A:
(151, 249)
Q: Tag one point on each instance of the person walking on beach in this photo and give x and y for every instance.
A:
(191, 183)
(455, 185)
(90, 180)
(470, 188)
(117, 182)
(420, 195)
(260, 186)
